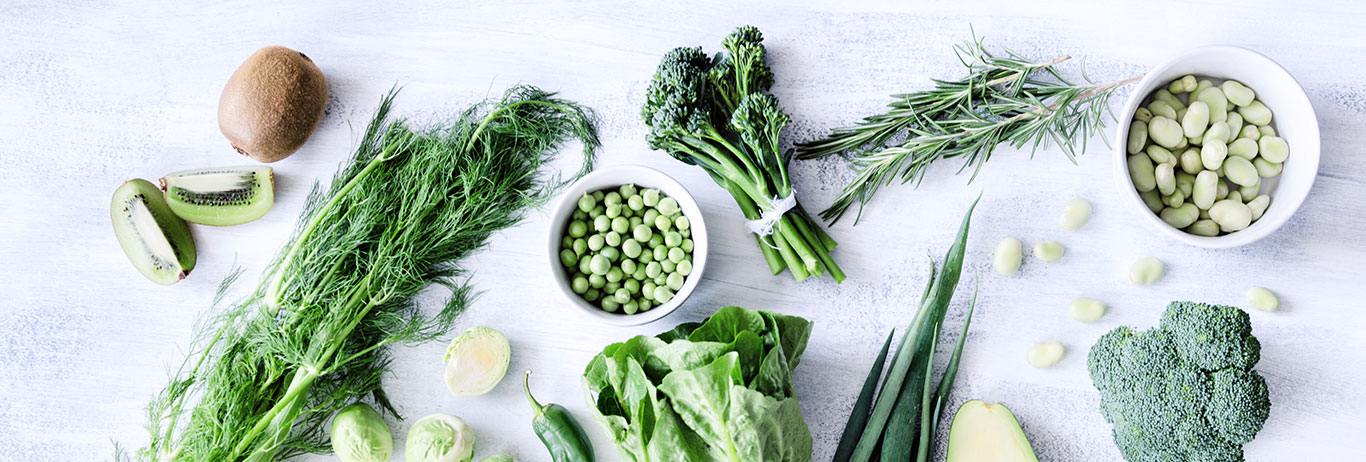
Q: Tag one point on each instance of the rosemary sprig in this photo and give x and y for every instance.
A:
(1002, 100)
(267, 372)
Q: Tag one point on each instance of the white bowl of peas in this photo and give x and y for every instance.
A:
(1218, 147)
(627, 245)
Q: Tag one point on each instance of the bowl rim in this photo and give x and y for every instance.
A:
(1308, 162)
(618, 175)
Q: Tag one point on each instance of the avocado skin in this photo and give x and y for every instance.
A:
(272, 104)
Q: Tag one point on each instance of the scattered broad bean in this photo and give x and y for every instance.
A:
(1045, 354)
(1075, 214)
(1048, 251)
(1145, 271)
(1087, 309)
(1008, 256)
(1263, 299)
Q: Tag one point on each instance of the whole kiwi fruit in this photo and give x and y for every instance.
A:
(272, 103)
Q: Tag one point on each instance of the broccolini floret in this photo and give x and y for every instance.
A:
(1184, 391)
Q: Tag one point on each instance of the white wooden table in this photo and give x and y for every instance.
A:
(95, 93)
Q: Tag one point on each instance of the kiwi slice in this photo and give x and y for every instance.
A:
(220, 196)
(156, 240)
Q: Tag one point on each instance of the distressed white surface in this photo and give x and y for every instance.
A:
(95, 93)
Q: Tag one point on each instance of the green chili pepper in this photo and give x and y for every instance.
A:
(561, 434)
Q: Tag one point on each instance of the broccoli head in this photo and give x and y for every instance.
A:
(1184, 391)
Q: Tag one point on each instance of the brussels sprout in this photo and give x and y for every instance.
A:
(439, 438)
(476, 361)
(360, 435)
(498, 458)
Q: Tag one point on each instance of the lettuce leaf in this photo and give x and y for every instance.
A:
(720, 390)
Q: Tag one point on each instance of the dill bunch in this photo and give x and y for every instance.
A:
(267, 372)
(1002, 100)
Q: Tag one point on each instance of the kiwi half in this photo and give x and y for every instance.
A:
(156, 240)
(220, 196)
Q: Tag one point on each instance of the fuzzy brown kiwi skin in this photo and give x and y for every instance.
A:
(272, 104)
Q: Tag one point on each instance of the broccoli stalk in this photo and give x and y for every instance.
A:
(713, 113)
(1185, 390)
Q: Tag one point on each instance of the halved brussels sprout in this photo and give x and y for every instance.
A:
(476, 361)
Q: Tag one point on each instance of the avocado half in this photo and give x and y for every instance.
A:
(983, 432)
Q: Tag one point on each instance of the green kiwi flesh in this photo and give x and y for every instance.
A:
(156, 240)
(220, 196)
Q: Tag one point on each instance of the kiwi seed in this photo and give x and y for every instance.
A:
(157, 241)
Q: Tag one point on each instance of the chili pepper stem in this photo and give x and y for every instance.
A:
(526, 388)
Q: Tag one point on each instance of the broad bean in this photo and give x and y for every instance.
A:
(1237, 93)
(1217, 131)
(1151, 199)
(1263, 299)
(1266, 168)
(1138, 136)
(1206, 186)
(1141, 171)
(1259, 205)
(1255, 113)
(1243, 147)
(1045, 354)
(1184, 84)
(1196, 120)
(1075, 214)
(1180, 216)
(1160, 155)
(1145, 271)
(1143, 115)
(1165, 177)
(1203, 227)
(1231, 215)
(1250, 191)
(1273, 148)
(1217, 102)
(1235, 124)
(1087, 309)
(1240, 171)
(1048, 251)
(1175, 199)
(1190, 161)
(1161, 108)
(1008, 256)
(1167, 97)
(1212, 155)
(1165, 131)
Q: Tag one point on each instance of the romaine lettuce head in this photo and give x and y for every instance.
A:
(720, 390)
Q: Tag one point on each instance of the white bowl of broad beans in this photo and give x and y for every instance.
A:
(1218, 147)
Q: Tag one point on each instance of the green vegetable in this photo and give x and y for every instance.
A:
(903, 420)
(1231, 214)
(439, 438)
(1075, 214)
(558, 430)
(1008, 256)
(266, 372)
(984, 432)
(1087, 309)
(1045, 354)
(497, 458)
(1263, 299)
(1146, 270)
(476, 361)
(1048, 251)
(713, 113)
(859, 416)
(717, 390)
(360, 435)
(1184, 390)
(1002, 100)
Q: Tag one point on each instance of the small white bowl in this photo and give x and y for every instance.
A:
(612, 177)
(1292, 116)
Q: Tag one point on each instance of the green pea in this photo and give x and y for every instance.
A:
(639, 275)
(1142, 173)
(647, 289)
(663, 294)
(1212, 155)
(1165, 131)
(634, 222)
(612, 239)
(1273, 148)
(631, 285)
(684, 267)
(1195, 121)
(676, 255)
(687, 245)
(609, 304)
(583, 265)
(578, 215)
(611, 198)
(1237, 93)
(596, 281)
(1255, 113)
(610, 287)
(642, 233)
(663, 223)
(580, 285)
(682, 223)
(651, 197)
(628, 266)
(601, 223)
(569, 258)
(667, 267)
(673, 239)
(631, 248)
(592, 295)
(649, 216)
(611, 253)
(595, 242)
(675, 281)
(1266, 168)
(567, 242)
(1143, 115)
(653, 269)
(668, 206)
(647, 255)
(599, 210)
(1145, 271)
(579, 245)
(621, 225)
(657, 240)
(613, 211)
(587, 202)
(578, 228)
(687, 233)
(627, 190)
(615, 275)
(1203, 227)
(1180, 216)
(599, 265)
(630, 308)
(635, 203)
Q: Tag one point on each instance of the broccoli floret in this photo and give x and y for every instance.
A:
(1184, 391)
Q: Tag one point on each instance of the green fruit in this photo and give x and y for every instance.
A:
(272, 103)
(156, 240)
(984, 432)
(220, 196)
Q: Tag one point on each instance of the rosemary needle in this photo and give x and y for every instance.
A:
(1002, 100)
